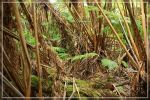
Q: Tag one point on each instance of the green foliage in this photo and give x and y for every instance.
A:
(61, 52)
(100, 16)
(85, 88)
(28, 35)
(139, 25)
(84, 56)
(44, 24)
(51, 30)
(140, 28)
(124, 64)
(63, 56)
(59, 49)
(55, 37)
(78, 57)
(29, 38)
(106, 29)
(121, 89)
(82, 83)
(68, 16)
(112, 14)
(109, 64)
(34, 81)
(92, 8)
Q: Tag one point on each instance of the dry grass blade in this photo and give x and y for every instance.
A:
(65, 87)
(73, 90)
(76, 88)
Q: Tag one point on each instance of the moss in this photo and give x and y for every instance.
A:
(108, 93)
(84, 92)
(89, 89)
(90, 92)
(110, 79)
(69, 90)
(121, 89)
(97, 85)
(82, 83)
(46, 85)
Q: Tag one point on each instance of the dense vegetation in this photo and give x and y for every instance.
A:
(75, 48)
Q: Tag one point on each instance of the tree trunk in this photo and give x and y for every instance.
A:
(10, 47)
(8, 43)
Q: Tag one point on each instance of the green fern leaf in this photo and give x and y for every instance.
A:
(34, 81)
(63, 56)
(109, 64)
(84, 56)
(59, 49)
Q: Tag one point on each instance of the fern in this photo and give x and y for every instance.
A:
(90, 55)
(61, 52)
(109, 64)
(59, 49)
(34, 81)
(55, 37)
(29, 38)
(78, 57)
(63, 56)
(84, 56)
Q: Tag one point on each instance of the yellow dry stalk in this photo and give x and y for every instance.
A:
(120, 41)
(130, 35)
